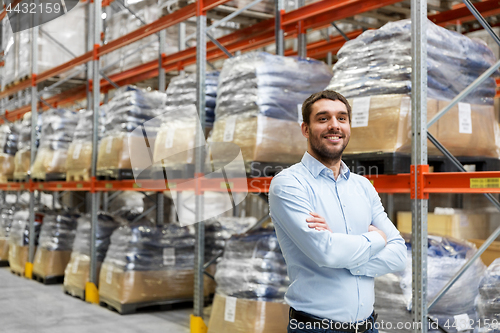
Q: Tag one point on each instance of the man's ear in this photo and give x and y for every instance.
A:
(305, 130)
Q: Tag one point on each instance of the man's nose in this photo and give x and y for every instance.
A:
(333, 124)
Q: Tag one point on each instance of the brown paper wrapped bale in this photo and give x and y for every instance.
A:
(114, 150)
(174, 144)
(129, 287)
(4, 249)
(460, 225)
(76, 274)
(6, 167)
(79, 161)
(49, 161)
(22, 163)
(50, 263)
(491, 253)
(389, 129)
(263, 139)
(18, 256)
(249, 316)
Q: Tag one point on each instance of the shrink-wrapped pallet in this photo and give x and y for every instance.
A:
(76, 274)
(9, 139)
(488, 302)
(252, 280)
(55, 244)
(19, 239)
(58, 128)
(6, 214)
(22, 160)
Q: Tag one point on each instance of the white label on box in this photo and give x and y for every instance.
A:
(230, 311)
(229, 130)
(169, 256)
(109, 275)
(360, 112)
(169, 140)
(464, 118)
(109, 145)
(77, 150)
(299, 114)
(39, 259)
(75, 266)
(462, 322)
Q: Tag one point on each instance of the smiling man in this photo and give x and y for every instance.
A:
(332, 228)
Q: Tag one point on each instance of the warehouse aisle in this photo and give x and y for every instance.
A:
(31, 307)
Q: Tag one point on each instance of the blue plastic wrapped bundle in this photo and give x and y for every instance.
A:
(253, 267)
(488, 303)
(182, 92)
(379, 62)
(445, 257)
(259, 83)
(58, 231)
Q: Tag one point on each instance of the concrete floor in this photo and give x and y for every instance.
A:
(31, 307)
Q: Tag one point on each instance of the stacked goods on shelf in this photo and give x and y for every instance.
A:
(130, 108)
(78, 162)
(9, 138)
(445, 257)
(176, 138)
(19, 239)
(56, 44)
(374, 72)
(58, 128)
(258, 106)
(6, 214)
(251, 284)
(55, 244)
(488, 303)
(149, 265)
(22, 160)
(128, 205)
(76, 274)
(220, 229)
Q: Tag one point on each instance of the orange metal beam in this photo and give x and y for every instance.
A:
(462, 182)
(462, 13)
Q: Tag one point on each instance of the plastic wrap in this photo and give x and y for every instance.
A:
(181, 91)
(260, 138)
(389, 116)
(130, 108)
(9, 140)
(146, 263)
(445, 257)
(488, 302)
(22, 160)
(379, 62)
(220, 229)
(253, 267)
(260, 83)
(76, 273)
(106, 224)
(6, 214)
(58, 231)
(57, 133)
(78, 162)
(20, 230)
(127, 205)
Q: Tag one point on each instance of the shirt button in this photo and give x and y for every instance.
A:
(362, 304)
(350, 229)
(357, 272)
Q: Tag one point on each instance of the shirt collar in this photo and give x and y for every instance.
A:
(315, 167)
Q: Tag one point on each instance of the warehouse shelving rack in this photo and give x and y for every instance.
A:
(291, 24)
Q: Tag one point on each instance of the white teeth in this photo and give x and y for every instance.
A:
(333, 137)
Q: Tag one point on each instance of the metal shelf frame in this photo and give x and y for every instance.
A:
(419, 183)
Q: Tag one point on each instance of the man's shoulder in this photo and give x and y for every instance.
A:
(296, 173)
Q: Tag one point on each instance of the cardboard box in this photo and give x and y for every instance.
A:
(260, 138)
(76, 274)
(49, 161)
(461, 225)
(491, 253)
(6, 166)
(18, 257)
(22, 163)
(246, 316)
(4, 249)
(79, 159)
(389, 128)
(128, 287)
(50, 263)
(114, 150)
(174, 144)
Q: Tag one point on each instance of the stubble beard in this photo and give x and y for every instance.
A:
(325, 154)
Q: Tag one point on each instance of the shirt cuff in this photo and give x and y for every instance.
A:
(376, 240)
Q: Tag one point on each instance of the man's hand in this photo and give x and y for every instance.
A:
(374, 228)
(317, 222)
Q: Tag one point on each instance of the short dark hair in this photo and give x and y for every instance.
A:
(325, 94)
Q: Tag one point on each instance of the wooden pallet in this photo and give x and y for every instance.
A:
(163, 305)
(77, 176)
(21, 274)
(52, 177)
(21, 179)
(4, 263)
(48, 279)
(16, 82)
(74, 292)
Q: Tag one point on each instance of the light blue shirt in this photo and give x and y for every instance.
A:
(332, 273)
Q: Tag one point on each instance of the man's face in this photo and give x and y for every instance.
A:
(328, 131)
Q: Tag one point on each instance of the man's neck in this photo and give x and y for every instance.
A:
(333, 165)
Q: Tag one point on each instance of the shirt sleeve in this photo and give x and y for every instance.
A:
(290, 207)
(392, 258)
